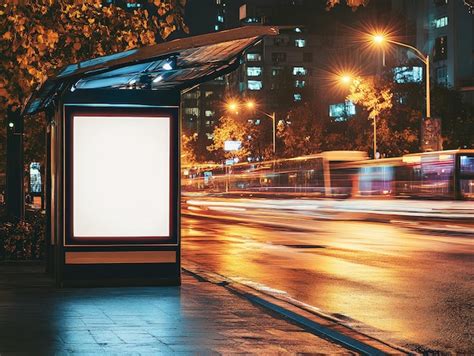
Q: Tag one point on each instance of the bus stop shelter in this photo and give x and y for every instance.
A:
(113, 157)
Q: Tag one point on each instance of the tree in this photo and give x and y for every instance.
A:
(373, 99)
(354, 4)
(40, 37)
(188, 154)
(259, 134)
(301, 132)
(229, 129)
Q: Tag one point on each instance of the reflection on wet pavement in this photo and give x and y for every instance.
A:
(415, 287)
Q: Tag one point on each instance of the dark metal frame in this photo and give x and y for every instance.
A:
(69, 238)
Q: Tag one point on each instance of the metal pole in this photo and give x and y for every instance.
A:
(375, 138)
(428, 92)
(274, 134)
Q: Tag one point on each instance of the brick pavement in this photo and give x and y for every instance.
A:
(199, 317)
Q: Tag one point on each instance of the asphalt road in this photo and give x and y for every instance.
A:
(408, 286)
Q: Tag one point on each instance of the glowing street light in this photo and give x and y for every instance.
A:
(250, 104)
(233, 106)
(380, 39)
(346, 79)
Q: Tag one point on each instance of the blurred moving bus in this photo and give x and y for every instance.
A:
(343, 174)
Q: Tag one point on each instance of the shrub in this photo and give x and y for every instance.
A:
(24, 239)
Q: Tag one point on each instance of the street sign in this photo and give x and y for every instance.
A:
(232, 145)
(431, 139)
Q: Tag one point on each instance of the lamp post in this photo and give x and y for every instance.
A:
(250, 105)
(380, 39)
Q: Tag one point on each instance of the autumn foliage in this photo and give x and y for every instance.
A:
(352, 3)
(39, 37)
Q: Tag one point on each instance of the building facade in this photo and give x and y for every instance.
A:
(202, 106)
(445, 30)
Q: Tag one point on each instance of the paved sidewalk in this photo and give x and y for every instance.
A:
(199, 317)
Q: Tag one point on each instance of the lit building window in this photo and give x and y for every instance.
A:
(442, 75)
(220, 18)
(192, 111)
(441, 22)
(300, 43)
(441, 48)
(300, 83)
(276, 72)
(209, 113)
(252, 20)
(254, 84)
(216, 27)
(297, 97)
(299, 71)
(298, 29)
(254, 57)
(407, 74)
(254, 71)
(341, 111)
(207, 94)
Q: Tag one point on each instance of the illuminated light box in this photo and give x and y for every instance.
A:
(121, 176)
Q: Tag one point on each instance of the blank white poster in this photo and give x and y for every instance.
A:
(121, 171)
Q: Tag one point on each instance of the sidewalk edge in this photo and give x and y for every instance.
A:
(316, 323)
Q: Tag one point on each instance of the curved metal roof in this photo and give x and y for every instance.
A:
(171, 65)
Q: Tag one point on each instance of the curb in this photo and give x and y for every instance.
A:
(315, 322)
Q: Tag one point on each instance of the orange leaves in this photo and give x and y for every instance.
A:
(38, 37)
(86, 30)
(354, 4)
(52, 38)
(147, 38)
(170, 19)
(166, 31)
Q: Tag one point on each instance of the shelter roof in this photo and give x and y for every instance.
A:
(173, 65)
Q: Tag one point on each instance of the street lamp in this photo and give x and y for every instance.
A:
(251, 105)
(346, 79)
(380, 39)
(233, 106)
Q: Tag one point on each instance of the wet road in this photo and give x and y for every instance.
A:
(408, 286)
